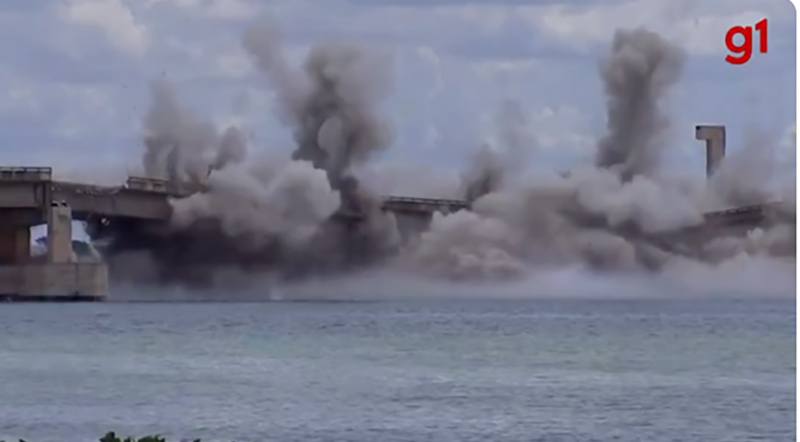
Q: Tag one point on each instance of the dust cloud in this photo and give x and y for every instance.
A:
(639, 72)
(314, 221)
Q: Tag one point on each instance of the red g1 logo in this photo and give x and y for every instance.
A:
(740, 53)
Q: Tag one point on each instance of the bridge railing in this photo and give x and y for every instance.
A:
(147, 184)
(85, 189)
(746, 210)
(425, 201)
(26, 174)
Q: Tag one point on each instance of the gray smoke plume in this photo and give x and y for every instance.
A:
(492, 165)
(274, 215)
(179, 146)
(331, 105)
(612, 216)
(640, 70)
(745, 176)
(309, 214)
(242, 211)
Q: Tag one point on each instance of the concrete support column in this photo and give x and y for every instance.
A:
(714, 136)
(59, 233)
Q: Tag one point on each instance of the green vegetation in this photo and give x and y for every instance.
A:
(112, 437)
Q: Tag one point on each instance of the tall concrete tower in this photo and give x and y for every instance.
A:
(714, 136)
(59, 233)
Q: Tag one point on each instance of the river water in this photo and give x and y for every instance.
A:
(447, 370)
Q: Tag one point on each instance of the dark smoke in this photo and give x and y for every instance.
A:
(181, 148)
(640, 70)
(331, 105)
(611, 217)
(309, 215)
(274, 216)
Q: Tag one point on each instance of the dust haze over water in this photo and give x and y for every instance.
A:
(527, 235)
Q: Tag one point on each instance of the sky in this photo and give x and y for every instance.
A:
(74, 73)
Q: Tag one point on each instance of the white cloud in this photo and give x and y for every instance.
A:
(699, 31)
(556, 128)
(230, 9)
(235, 65)
(429, 55)
(455, 63)
(114, 18)
(433, 138)
(221, 9)
(191, 49)
(89, 98)
(488, 19)
(18, 95)
(561, 126)
(503, 68)
(20, 100)
(788, 151)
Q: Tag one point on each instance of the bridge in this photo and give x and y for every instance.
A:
(30, 196)
(29, 191)
(33, 189)
(26, 193)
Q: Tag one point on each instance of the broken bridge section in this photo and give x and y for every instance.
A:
(137, 215)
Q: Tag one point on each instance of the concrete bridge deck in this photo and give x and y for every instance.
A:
(29, 191)
(143, 199)
(141, 206)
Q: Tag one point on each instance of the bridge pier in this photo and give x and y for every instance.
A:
(714, 136)
(59, 233)
(58, 277)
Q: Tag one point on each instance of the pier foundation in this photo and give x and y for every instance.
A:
(56, 277)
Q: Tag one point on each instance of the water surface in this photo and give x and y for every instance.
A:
(401, 371)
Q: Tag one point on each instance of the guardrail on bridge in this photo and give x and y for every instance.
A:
(26, 174)
(425, 201)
